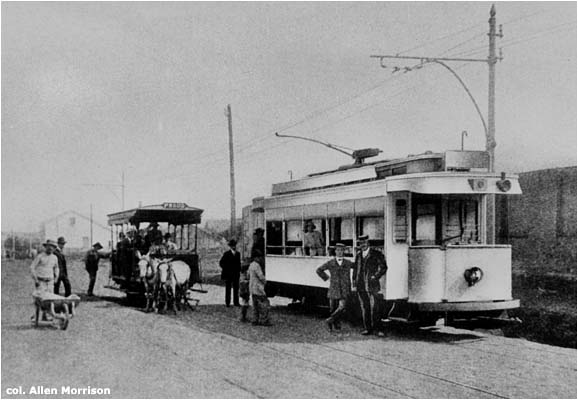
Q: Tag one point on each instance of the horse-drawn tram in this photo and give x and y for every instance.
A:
(427, 213)
(148, 237)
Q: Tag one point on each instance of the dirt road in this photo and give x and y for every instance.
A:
(208, 353)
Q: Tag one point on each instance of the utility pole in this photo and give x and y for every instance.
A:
(232, 169)
(122, 184)
(490, 128)
(91, 242)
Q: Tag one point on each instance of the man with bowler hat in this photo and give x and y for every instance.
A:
(230, 272)
(63, 275)
(339, 285)
(91, 263)
(369, 266)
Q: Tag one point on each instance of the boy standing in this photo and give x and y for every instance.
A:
(257, 289)
(244, 293)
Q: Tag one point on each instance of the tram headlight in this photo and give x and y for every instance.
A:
(473, 275)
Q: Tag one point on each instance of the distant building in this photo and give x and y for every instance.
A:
(75, 228)
(541, 223)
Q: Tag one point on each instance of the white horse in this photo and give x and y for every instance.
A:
(149, 277)
(174, 281)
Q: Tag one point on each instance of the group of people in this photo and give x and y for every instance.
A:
(247, 280)
(368, 268)
(49, 269)
(144, 241)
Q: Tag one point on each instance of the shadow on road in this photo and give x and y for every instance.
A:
(291, 326)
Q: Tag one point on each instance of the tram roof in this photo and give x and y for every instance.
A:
(173, 213)
(451, 160)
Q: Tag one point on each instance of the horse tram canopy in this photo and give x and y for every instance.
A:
(167, 230)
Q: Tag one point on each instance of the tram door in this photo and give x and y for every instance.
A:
(397, 244)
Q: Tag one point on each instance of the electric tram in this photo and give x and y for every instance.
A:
(427, 213)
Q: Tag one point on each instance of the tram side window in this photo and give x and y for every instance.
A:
(274, 237)
(400, 227)
(462, 222)
(341, 231)
(294, 237)
(374, 228)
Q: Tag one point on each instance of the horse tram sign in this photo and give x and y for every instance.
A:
(426, 213)
(154, 258)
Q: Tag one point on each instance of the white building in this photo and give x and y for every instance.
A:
(76, 229)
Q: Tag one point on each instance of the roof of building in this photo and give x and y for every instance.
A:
(77, 214)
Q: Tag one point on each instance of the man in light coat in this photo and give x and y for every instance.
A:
(44, 268)
(339, 285)
(257, 283)
(369, 267)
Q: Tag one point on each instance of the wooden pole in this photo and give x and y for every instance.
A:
(232, 171)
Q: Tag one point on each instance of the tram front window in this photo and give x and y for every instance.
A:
(426, 220)
(461, 221)
(450, 219)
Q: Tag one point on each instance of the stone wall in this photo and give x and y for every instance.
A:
(541, 223)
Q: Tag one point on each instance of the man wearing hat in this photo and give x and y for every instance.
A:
(369, 267)
(63, 275)
(91, 262)
(230, 272)
(44, 268)
(339, 285)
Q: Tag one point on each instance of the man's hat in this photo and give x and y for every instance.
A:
(341, 245)
(153, 224)
(363, 238)
(259, 230)
(167, 235)
(232, 242)
(50, 243)
(61, 240)
(97, 246)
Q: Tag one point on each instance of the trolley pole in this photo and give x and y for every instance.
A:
(232, 169)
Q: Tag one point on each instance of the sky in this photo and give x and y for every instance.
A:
(95, 90)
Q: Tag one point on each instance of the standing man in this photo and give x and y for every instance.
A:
(339, 285)
(230, 271)
(369, 266)
(63, 275)
(91, 262)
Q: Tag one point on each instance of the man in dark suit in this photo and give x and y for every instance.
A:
(230, 272)
(369, 267)
(63, 272)
(339, 285)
